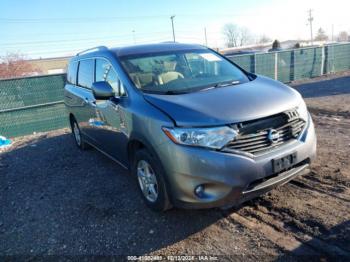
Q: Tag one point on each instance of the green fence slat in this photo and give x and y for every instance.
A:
(307, 63)
(265, 64)
(39, 119)
(33, 92)
(247, 62)
(341, 58)
(285, 66)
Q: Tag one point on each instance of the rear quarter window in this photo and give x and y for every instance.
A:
(86, 73)
(72, 73)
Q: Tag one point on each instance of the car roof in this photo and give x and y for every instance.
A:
(135, 50)
(154, 48)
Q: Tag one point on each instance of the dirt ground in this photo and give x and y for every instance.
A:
(56, 200)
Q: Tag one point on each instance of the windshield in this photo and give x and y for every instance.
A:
(181, 72)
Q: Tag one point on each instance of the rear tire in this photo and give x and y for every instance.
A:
(77, 136)
(150, 180)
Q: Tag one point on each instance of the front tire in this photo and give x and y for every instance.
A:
(150, 181)
(78, 138)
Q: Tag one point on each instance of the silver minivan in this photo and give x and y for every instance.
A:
(193, 128)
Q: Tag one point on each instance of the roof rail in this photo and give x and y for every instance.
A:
(97, 48)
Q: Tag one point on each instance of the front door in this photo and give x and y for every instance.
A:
(110, 125)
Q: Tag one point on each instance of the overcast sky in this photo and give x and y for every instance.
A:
(63, 27)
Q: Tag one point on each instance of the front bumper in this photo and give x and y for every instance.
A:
(227, 177)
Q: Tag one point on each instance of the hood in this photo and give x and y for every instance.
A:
(225, 105)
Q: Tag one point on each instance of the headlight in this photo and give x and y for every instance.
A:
(216, 137)
(302, 110)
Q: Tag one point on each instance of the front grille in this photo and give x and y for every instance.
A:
(267, 133)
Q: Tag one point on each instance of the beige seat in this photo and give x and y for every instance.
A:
(146, 78)
(142, 79)
(134, 77)
(169, 76)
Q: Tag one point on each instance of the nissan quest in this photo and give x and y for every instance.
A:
(192, 127)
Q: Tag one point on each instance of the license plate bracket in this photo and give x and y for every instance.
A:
(283, 163)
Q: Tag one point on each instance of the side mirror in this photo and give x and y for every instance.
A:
(102, 90)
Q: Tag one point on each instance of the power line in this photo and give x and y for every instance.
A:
(89, 33)
(77, 20)
(98, 41)
(106, 19)
(6, 19)
(68, 50)
(91, 41)
(73, 33)
(124, 36)
(73, 51)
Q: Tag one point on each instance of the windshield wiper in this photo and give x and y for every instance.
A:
(179, 92)
(174, 92)
(169, 92)
(229, 83)
(220, 84)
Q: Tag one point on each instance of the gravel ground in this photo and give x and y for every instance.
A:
(57, 200)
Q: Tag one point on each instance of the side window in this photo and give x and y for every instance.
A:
(72, 73)
(105, 72)
(86, 73)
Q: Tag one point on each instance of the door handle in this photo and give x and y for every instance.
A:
(90, 102)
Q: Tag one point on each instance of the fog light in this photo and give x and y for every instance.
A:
(199, 191)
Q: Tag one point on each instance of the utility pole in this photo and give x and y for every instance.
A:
(332, 33)
(310, 19)
(133, 36)
(205, 36)
(172, 25)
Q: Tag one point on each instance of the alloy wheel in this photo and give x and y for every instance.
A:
(147, 180)
(76, 133)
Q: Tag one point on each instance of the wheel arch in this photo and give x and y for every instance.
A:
(71, 119)
(136, 142)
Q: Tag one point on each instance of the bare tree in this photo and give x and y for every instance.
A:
(230, 32)
(343, 36)
(321, 35)
(244, 35)
(264, 39)
(235, 35)
(15, 65)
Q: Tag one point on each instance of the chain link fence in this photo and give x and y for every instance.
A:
(296, 64)
(35, 104)
(31, 104)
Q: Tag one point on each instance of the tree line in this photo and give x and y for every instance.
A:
(236, 36)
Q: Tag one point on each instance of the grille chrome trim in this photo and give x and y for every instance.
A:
(288, 125)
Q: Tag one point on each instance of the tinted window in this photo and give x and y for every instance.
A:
(86, 73)
(72, 73)
(105, 72)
